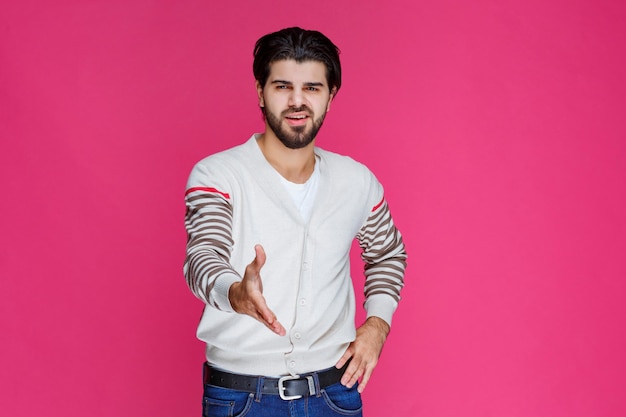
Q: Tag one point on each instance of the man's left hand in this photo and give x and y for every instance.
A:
(364, 351)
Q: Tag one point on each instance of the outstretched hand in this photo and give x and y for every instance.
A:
(246, 297)
(364, 351)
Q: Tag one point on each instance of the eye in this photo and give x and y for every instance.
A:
(311, 88)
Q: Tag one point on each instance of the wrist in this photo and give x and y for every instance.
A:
(219, 294)
(379, 324)
(233, 290)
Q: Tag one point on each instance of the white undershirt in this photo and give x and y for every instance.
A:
(303, 195)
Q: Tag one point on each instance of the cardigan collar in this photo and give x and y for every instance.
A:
(268, 178)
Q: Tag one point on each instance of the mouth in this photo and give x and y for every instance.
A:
(297, 119)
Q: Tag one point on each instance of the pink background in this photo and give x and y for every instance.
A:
(498, 128)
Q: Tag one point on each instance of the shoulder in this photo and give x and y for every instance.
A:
(342, 166)
(233, 156)
(225, 165)
(352, 177)
(337, 161)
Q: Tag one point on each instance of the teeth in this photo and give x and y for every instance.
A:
(297, 117)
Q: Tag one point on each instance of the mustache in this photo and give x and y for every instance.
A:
(302, 108)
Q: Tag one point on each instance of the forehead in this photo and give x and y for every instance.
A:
(292, 71)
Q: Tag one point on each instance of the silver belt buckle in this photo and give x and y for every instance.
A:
(282, 389)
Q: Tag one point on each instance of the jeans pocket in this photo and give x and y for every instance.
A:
(343, 400)
(223, 402)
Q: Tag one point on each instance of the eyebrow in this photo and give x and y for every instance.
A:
(308, 84)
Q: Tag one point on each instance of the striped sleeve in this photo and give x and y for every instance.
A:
(385, 262)
(208, 220)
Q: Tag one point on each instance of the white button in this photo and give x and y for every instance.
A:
(302, 301)
(305, 265)
(297, 335)
(292, 364)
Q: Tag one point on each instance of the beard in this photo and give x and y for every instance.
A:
(293, 137)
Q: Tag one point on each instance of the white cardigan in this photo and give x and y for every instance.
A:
(234, 201)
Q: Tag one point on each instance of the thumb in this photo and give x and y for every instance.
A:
(259, 260)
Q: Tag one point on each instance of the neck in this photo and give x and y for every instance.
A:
(295, 165)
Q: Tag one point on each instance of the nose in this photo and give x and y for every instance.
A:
(296, 98)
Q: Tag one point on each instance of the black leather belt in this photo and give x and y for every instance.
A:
(287, 387)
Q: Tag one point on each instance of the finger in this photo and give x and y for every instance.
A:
(260, 305)
(260, 257)
(273, 324)
(278, 328)
(252, 276)
(267, 316)
(352, 373)
(366, 377)
(354, 378)
(345, 358)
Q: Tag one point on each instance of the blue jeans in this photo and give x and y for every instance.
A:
(333, 401)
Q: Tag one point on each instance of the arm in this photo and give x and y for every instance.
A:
(385, 261)
(208, 221)
(246, 297)
(208, 271)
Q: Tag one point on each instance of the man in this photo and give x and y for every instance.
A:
(270, 224)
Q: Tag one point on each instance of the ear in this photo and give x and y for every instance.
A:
(259, 92)
(333, 91)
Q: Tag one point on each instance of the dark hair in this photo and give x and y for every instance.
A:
(300, 45)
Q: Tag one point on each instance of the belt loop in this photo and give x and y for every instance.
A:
(205, 373)
(259, 389)
(316, 380)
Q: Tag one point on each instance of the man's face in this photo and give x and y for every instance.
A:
(295, 100)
